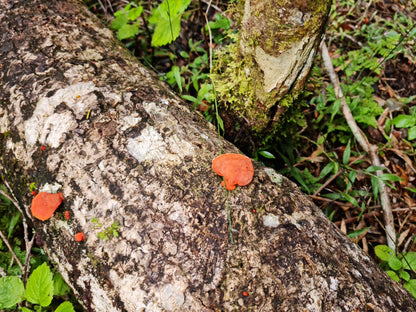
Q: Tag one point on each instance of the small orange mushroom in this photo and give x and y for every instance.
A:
(236, 169)
(44, 205)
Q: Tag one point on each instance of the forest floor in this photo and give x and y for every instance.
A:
(372, 47)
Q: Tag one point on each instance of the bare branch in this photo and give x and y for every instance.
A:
(365, 145)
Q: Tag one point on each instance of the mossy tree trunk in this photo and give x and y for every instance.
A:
(260, 76)
(143, 159)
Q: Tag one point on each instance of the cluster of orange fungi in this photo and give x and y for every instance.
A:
(236, 169)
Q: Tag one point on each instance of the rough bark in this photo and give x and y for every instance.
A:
(262, 74)
(143, 159)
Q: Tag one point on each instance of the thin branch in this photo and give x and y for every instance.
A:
(28, 243)
(365, 145)
(4, 238)
(210, 35)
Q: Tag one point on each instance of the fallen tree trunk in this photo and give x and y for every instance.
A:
(124, 148)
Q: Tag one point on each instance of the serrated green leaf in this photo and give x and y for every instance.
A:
(411, 286)
(384, 252)
(39, 288)
(393, 275)
(65, 307)
(409, 261)
(12, 291)
(394, 263)
(119, 21)
(127, 31)
(403, 121)
(135, 13)
(167, 17)
(23, 309)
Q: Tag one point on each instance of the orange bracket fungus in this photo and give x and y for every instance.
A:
(236, 169)
(44, 205)
(80, 237)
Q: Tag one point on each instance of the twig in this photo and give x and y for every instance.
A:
(28, 244)
(4, 238)
(327, 182)
(210, 35)
(365, 145)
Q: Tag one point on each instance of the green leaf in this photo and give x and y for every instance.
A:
(267, 154)
(177, 75)
(220, 122)
(135, 13)
(12, 291)
(409, 261)
(404, 121)
(347, 153)
(374, 168)
(190, 98)
(411, 286)
(119, 21)
(127, 31)
(394, 263)
(350, 199)
(39, 288)
(411, 134)
(393, 275)
(60, 288)
(327, 169)
(389, 177)
(404, 275)
(167, 17)
(357, 232)
(375, 186)
(384, 252)
(23, 309)
(65, 307)
(220, 22)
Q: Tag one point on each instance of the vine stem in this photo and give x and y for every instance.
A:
(370, 149)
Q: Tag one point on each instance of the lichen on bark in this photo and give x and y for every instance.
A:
(269, 58)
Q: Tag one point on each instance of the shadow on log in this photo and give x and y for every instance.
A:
(143, 159)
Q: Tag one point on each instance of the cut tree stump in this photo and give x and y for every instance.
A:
(122, 147)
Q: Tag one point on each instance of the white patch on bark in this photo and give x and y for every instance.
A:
(271, 220)
(172, 296)
(148, 146)
(99, 296)
(274, 176)
(130, 121)
(50, 128)
(282, 70)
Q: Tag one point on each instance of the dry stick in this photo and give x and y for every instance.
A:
(365, 145)
(28, 244)
(12, 252)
